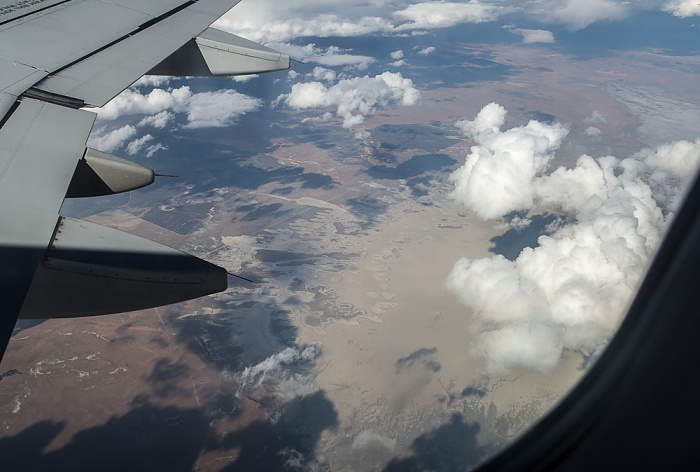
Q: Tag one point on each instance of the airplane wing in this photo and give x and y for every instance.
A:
(56, 58)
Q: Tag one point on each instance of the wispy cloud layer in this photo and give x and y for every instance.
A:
(270, 21)
(578, 14)
(428, 15)
(281, 368)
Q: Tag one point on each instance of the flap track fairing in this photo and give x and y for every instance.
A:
(215, 52)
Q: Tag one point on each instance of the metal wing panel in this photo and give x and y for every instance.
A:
(100, 77)
(11, 9)
(149, 7)
(6, 102)
(39, 147)
(15, 77)
(67, 32)
(228, 54)
(40, 144)
(14, 80)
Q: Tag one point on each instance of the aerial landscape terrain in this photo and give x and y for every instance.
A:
(442, 210)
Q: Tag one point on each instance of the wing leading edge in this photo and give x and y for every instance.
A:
(60, 267)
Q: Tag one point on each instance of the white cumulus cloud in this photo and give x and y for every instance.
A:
(321, 73)
(531, 36)
(331, 56)
(571, 291)
(141, 145)
(108, 141)
(333, 60)
(136, 145)
(152, 81)
(368, 437)
(596, 117)
(220, 108)
(154, 148)
(445, 14)
(354, 98)
(578, 14)
(270, 21)
(204, 109)
(592, 132)
(503, 164)
(683, 8)
(262, 28)
(132, 102)
(159, 120)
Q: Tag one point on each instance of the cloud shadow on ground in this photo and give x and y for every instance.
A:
(288, 446)
(150, 437)
(367, 208)
(145, 438)
(423, 356)
(450, 447)
(419, 172)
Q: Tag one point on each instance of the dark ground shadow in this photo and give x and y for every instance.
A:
(146, 438)
(164, 379)
(150, 438)
(367, 209)
(418, 171)
(289, 445)
(450, 447)
(423, 357)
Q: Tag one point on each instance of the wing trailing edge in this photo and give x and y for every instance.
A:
(94, 270)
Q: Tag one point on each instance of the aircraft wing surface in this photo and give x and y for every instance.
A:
(58, 57)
